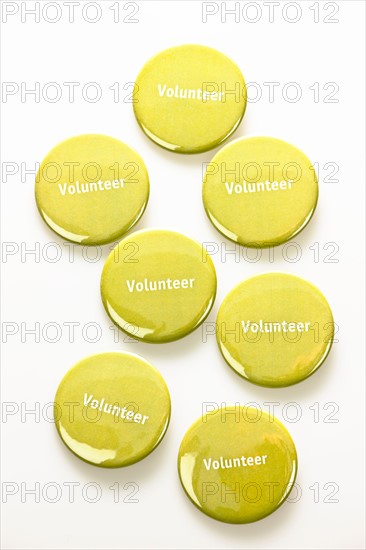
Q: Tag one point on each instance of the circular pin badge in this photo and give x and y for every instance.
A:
(112, 409)
(260, 191)
(158, 285)
(275, 329)
(91, 189)
(237, 464)
(190, 98)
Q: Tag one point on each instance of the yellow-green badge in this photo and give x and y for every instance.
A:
(91, 189)
(189, 98)
(237, 464)
(260, 191)
(112, 409)
(158, 285)
(275, 329)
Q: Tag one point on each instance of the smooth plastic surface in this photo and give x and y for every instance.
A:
(237, 464)
(260, 191)
(158, 285)
(275, 329)
(112, 409)
(190, 98)
(91, 189)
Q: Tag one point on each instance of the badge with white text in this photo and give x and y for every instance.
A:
(237, 464)
(275, 329)
(260, 191)
(112, 409)
(190, 98)
(91, 189)
(158, 285)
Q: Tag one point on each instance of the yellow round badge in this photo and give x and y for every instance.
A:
(275, 329)
(237, 464)
(112, 409)
(91, 189)
(260, 191)
(189, 98)
(158, 285)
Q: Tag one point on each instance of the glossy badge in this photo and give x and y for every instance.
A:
(260, 191)
(237, 464)
(112, 409)
(189, 98)
(91, 189)
(158, 285)
(275, 329)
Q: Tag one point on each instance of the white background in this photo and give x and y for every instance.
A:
(37, 290)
